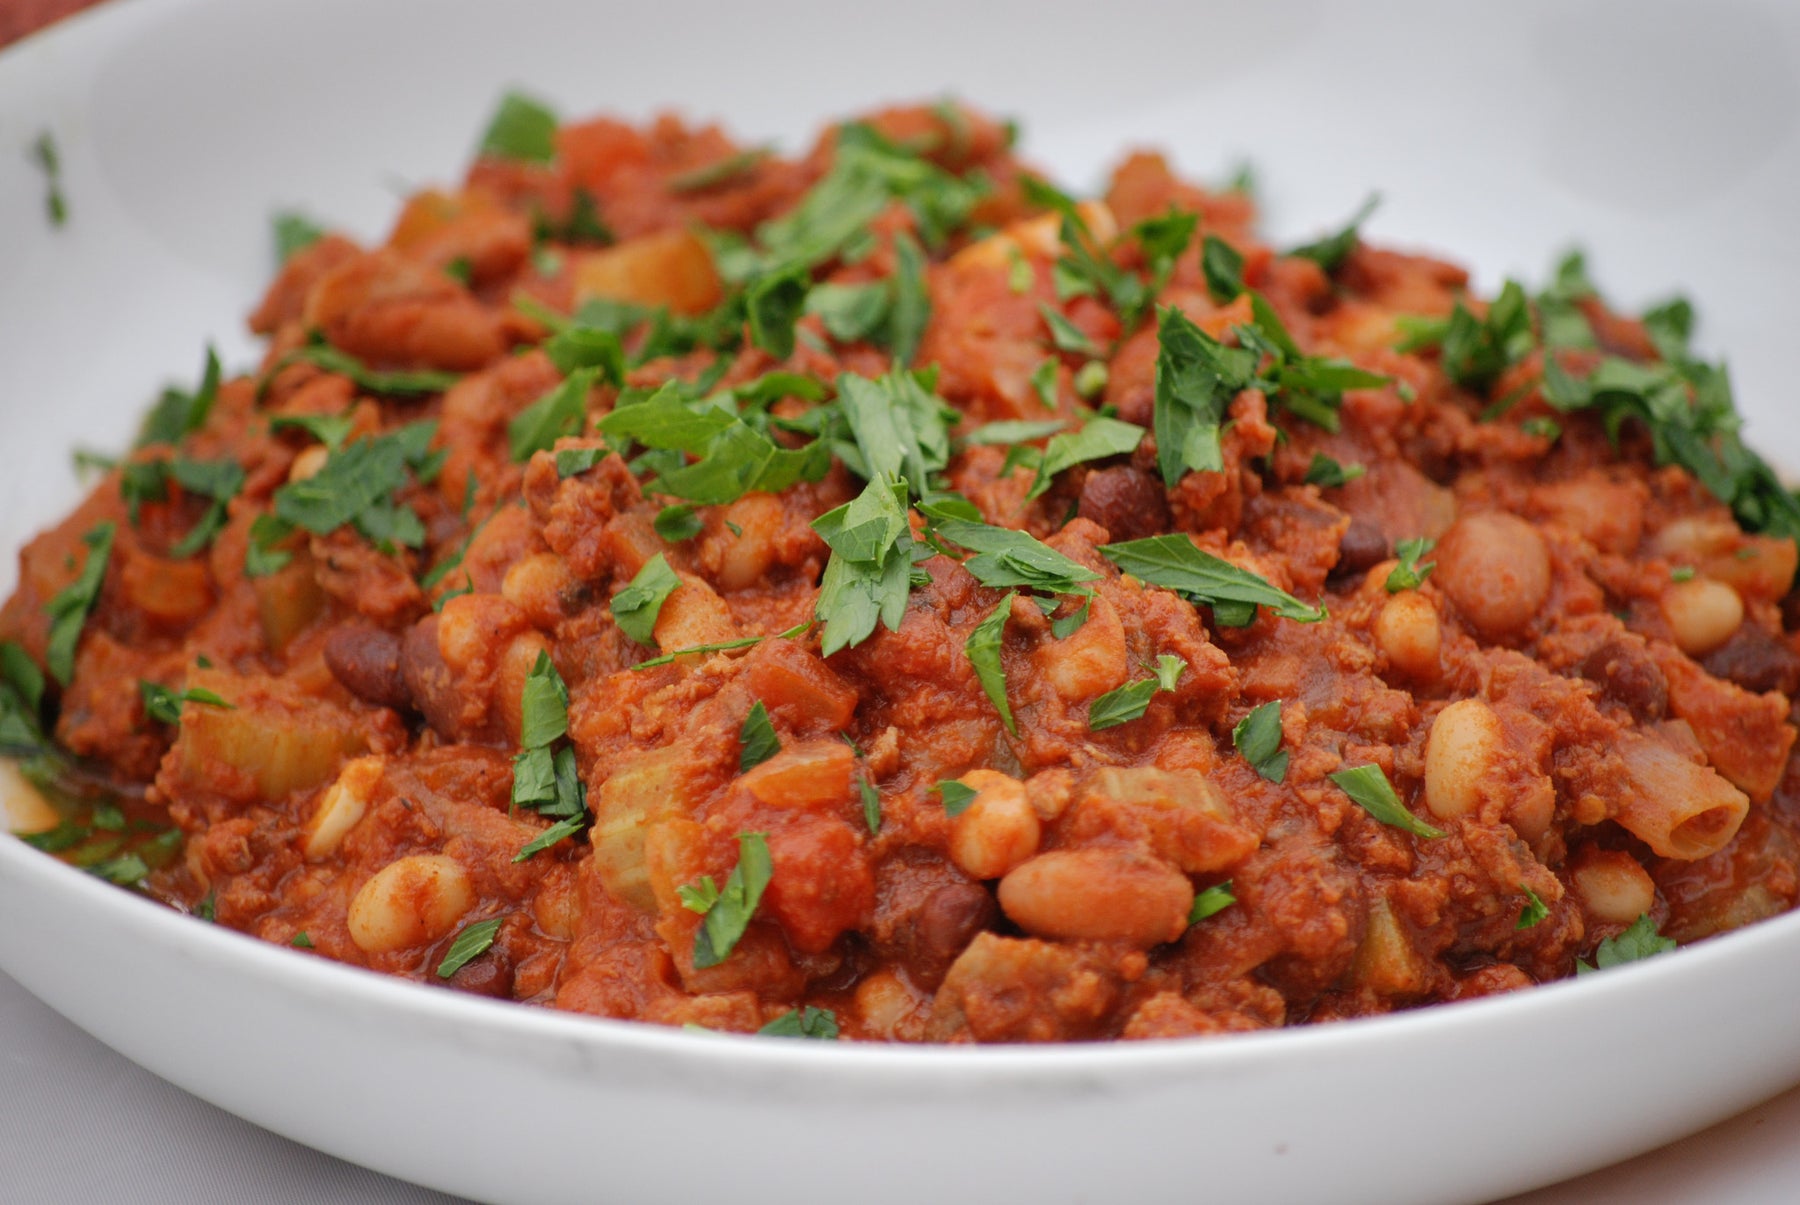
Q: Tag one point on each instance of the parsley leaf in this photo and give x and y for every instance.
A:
(164, 705)
(1331, 251)
(1097, 439)
(1329, 473)
(470, 944)
(868, 578)
(294, 233)
(355, 488)
(578, 346)
(1534, 911)
(901, 428)
(956, 795)
(1006, 558)
(871, 804)
(1065, 335)
(177, 413)
(851, 313)
(1196, 378)
(70, 608)
(522, 129)
(1370, 789)
(1258, 737)
(983, 650)
(1121, 705)
(727, 913)
(413, 383)
(302, 941)
(1212, 901)
(562, 411)
(556, 833)
(807, 1022)
(912, 300)
(1223, 267)
(1410, 574)
(1129, 702)
(774, 302)
(44, 152)
(1174, 563)
(757, 736)
(1638, 942)
(1476, 351)
(717, 173)
(543, 705)
(636, 607)
(677, 523)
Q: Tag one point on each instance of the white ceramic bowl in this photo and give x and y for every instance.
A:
(1660, 137)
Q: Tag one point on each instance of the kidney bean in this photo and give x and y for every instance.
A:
(367, 662)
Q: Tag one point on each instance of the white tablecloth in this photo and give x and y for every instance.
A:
(81, 1124)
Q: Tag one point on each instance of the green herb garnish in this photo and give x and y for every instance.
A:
(1258, 737)
(727, 913)
(1370, 789)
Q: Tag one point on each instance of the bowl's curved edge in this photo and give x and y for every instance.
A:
(289, 1041)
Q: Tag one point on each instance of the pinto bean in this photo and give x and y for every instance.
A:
(1756, 661)
(946, 922)
(428, 679)
(1625, 673)
(1126, 501)
(367, 662)
(1361, 547)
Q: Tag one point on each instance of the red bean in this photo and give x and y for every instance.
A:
(367, 662)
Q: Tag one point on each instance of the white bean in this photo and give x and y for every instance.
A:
(409, 902)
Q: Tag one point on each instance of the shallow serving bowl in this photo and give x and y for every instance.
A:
(1660, 137)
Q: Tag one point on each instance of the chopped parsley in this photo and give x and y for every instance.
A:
(354, 488)
(912, 300)
(1174, 563)
(677, 523)
(1211, 902)
(47, 157)
(1065, 335)
(301, 941)
(719, 172)
(1534, 911)
(851, 313)
(1636, 943)
(1410, 573)
(868, 578)
(522, 129)
(871, 804)
(1475, 351)
(164, 705)
(545, 775)
(294, 233)
(775, 302)
(1097, 439)
(470, 944)
(983, 651)
(1006, 558)
(216, 480)
(727, 912)
(1370, 790)
(807, 1022)
(901, 427)
(1258, 738)
(410, 383)
(178, 413)
(636, 607)
(957, 796)
(1331, 251)
(70, 608)
(1330, 473)
(1129, 702)
(1196, 378)
(757, 739)
(562, 411)
(1223, 267)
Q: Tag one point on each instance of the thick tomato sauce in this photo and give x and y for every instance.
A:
(366, 759)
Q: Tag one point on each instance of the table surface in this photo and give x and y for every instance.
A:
(80, 1123)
